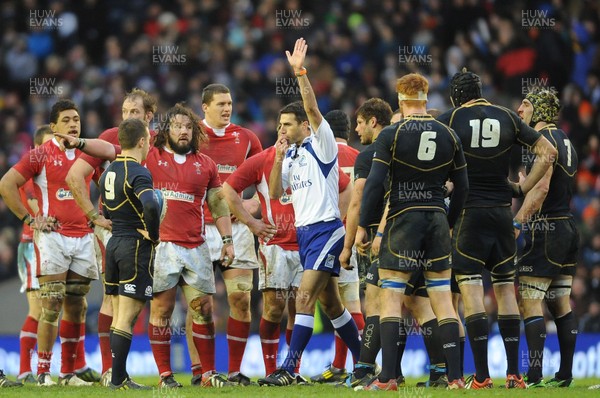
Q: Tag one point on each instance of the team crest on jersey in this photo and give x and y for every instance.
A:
(237, 137)
(148, 292)
(285, 198)
(163, 163)
(64, 194)
(198, 165)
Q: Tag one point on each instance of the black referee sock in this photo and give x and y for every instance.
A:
(478, 330)
(371, 343)
(535, 332)
(510, 330)
(566, 329)
(401, 346)
(120, 344)
(449, 338)
(433, 345)
(390, 337)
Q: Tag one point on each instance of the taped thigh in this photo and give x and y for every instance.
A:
(437, 284)
(475, 279)
(349, 291)
(396, 284)
(560, 286)
(54, 290)
(530, 290)
(504, 279)
(239, 284)
(77, 288)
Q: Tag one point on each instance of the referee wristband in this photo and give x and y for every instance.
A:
(379, 234)
(227, 239)
(517, 225)
(302, 72)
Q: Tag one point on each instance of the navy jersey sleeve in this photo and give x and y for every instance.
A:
(525, 135)
(383, 145)
(140, 181)
(362, 166)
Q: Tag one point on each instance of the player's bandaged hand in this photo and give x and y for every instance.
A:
(227, 254)
(45, 224)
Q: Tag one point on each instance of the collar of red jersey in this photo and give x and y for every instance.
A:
(218, 132)
(55, 142)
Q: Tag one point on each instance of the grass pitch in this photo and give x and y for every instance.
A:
(580, 389)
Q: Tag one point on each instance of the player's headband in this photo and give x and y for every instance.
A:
(421, 96)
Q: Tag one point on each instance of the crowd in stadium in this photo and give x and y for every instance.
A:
(356, 52)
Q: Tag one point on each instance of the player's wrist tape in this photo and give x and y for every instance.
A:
(27, 219)
(227, 239)
(379, 234)
(517, 225)
(81, 143)
(92, 215)
(302, 72)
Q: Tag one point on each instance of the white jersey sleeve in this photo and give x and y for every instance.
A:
(325, 145)
(285, 172)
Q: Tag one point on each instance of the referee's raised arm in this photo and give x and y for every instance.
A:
(296, 60)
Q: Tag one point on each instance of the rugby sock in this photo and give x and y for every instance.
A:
(80, 363)
(371, 342)
(196, 369)
(69, 338)
(44, 360)
(341, 353)
(510, 330)
(204, 340)
(303, 328)
(566, 329)
(462, 354)
(341, 349)
(403, 334)
(389, 347)
(346, 328)
(237, 337)
(535, 332)
(433, 345)
(478, 330)
(27, 340)
(449, 339)
(160, 342)
(269, 341)
(104, 322)
(120, 343)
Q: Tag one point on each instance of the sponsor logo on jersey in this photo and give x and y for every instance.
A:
(225, 168)
(64, 194)
(163, 163)
(57, 162)
(180, 196)
(129, 288)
